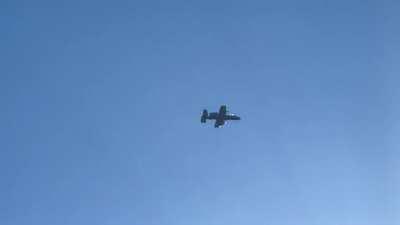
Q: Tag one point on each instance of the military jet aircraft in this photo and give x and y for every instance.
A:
(219, 117)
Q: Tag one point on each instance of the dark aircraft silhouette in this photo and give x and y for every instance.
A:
(219, 117)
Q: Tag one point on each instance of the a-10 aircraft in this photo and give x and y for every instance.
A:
(219, 117)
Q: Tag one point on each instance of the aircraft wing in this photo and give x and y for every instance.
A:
(222, 110)
(219, 123)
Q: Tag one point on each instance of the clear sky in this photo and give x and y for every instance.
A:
(101, 102)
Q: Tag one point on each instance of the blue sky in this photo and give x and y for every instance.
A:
(100, 105)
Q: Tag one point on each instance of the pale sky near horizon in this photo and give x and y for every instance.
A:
(101, 102)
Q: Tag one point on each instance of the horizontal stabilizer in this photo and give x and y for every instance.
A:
(204, 116)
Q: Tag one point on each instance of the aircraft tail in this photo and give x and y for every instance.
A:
(204, 116)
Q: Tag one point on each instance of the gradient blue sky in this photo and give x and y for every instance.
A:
(100, 105)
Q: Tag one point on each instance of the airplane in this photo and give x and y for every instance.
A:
(219, 117)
